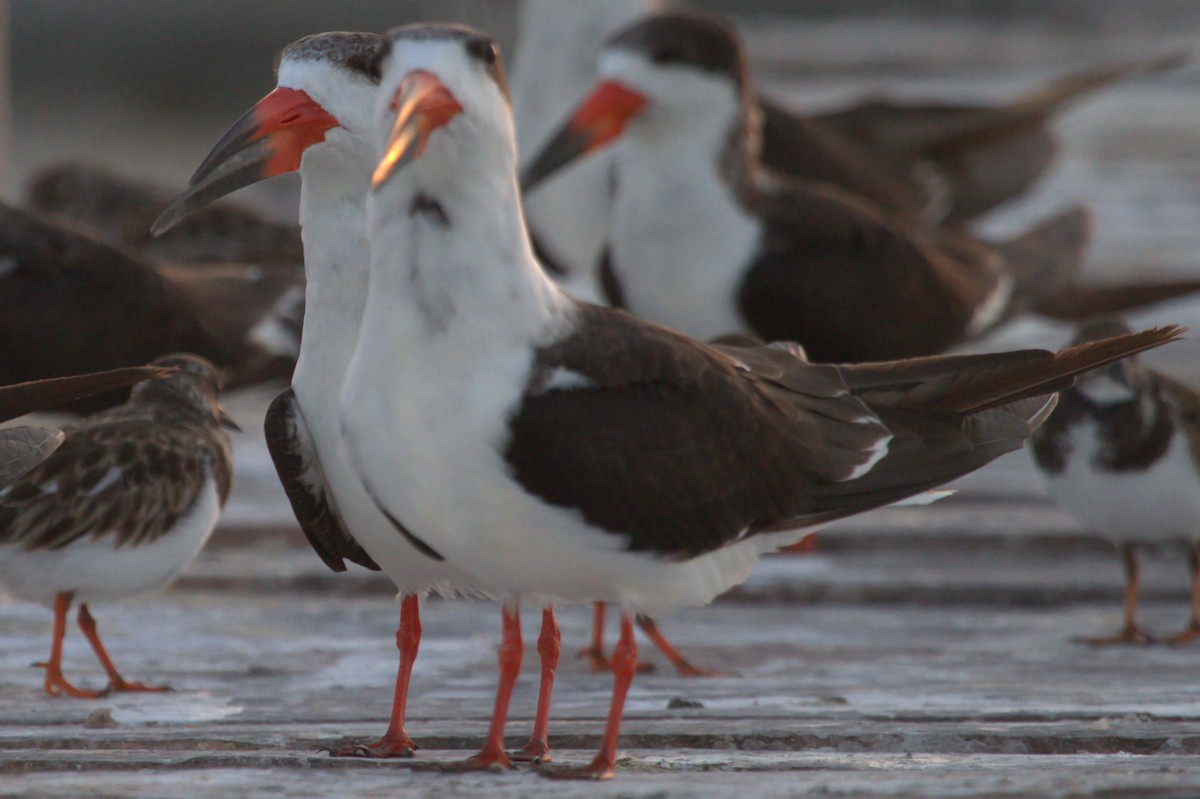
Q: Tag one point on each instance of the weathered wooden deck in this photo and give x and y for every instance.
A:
(921, 652)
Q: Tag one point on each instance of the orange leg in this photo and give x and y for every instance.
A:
(624, 666)
(508, 656)
(538, 748)
(395, 742)
(115, 681)
(1192, 631)
(1130, 633)
(594, 654)
(56, 684)
(682, 667)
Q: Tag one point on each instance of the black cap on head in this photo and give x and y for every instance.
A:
(702, 41)
(358, 52)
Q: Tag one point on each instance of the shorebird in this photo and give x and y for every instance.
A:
(327, 143)
(1122, 455)
(706, 240)
(120, 508)
(119, 211)
(22, 448)
(931, 162)
(71, 304)
(560, 451)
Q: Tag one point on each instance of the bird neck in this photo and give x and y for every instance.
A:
(451, 256)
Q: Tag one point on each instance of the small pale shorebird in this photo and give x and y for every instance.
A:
(560, 451)
(120, 508)
(1122, 455)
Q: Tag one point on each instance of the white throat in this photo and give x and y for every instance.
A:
(337, 271)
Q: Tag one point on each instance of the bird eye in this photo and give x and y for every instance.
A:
(482, 49)
(665, 55)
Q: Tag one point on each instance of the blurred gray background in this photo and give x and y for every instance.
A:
(147, 85)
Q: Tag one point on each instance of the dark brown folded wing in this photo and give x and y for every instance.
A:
(299, 469)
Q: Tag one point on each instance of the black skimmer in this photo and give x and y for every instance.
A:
(332, 214)
(708, 239)
(119, 211)
(318, 120)
(1122, 455)
(120, 508)
(22, 448)
(70, 304)
(557, 450)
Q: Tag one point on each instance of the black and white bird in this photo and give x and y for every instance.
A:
(120, 508)
(705, 239)
(1122, 455)
(559, 451)
(24, 447)
(322, 81)
(319, 120)
(71, 304)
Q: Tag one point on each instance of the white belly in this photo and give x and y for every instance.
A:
(1158, 504)
(410, 570)
(95, 571)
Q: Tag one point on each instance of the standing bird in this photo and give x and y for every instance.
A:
(707, 240)
(323, 80)
(22, 448)
(318, 120)
(560, 451)
(120, 508)
(1122, 455)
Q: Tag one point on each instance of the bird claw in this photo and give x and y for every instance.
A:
(598, 662)
(594, 772)
(1130, 636)
(535, 752)
(386, 747)
(137, 687)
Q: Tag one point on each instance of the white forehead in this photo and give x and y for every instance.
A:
(446, 58)
(663, 82)
(344, 93)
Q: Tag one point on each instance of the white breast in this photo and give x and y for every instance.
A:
(1161, 503)
(95, 571)
(680, 244)
(337, 297)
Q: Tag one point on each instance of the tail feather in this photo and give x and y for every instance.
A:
(1038, 105)
(1043, 373)
(1074, 303)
